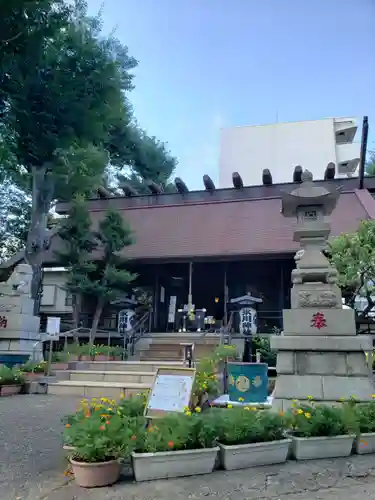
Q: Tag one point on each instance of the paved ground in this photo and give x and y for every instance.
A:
(31, 467)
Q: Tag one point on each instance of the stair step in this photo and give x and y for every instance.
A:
(146, 377)
(87, 389)
(123, 366)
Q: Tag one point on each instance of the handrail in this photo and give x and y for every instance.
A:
(131, 336)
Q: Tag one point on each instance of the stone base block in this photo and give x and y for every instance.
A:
(20, 322)
(322, 363)
(18, 304)
(323, 388)
(338, 322)
(307, 295)
(315, 343)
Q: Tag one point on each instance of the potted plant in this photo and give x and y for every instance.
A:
(176, 445)
(248, 438)
(11, 381)
(87, 352)
(119, 353)
(97, 443)
(60, 361)
(74, 351)
(321, 431)
(32, 370)
(365, 440)
(103, 353)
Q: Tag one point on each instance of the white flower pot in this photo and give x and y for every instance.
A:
(322, 447)
(163, 465)
(243, 456)
(365, 443)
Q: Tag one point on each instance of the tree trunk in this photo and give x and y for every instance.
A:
(37, 238)
(95, 321)
(77, 307)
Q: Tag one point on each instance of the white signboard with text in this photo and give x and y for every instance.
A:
(53, 328)
(171, 391)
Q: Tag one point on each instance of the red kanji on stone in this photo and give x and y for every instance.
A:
(318, 321)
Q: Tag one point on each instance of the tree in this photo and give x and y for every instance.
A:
(109, 279)
(370, 164)
(353, 255)
(77, 245)
(146, 159)
(70, 95)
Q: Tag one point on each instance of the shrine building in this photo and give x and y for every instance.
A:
(214, 247)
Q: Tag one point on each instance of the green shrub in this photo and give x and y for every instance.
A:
(10, 376)
(248, 425)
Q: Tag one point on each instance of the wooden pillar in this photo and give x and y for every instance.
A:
(190, 294)
(155, 319)
(225, 296)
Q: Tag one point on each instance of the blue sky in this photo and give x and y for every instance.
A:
(208, 64)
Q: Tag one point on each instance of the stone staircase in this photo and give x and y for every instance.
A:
(105, 378)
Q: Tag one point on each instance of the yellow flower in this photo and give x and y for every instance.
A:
(373, 396)
(186, 408)
(122, 395)
(309, 398)
(188, 413)
(353, 396)
(342, 399)
(197, 409)
(110, 409)
(307, 414)
(241, 399)
(300, 411)
(229, 406)
(252, 408)
(294, 401)
(246, 408)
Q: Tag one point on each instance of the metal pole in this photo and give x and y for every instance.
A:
(362, 160)
(50, 357)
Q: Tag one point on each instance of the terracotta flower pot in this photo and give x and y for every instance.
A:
(74, 357)
(102, 357)
(29, 377)
(9, 390)
(86, 357)
(96, 474)
(59, 366)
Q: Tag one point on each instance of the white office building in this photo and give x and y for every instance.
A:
(282, 146)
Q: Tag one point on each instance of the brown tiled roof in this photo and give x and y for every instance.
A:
(226, 227)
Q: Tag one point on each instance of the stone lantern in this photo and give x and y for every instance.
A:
(319, 354)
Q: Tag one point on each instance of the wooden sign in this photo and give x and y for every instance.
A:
(171, 391)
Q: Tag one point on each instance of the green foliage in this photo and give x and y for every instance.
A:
(109, 279)
(60, 357)
(178, 432)
(247, 425)
(263, 345)
(314, 420)
(365, 414)
(370, 164)
(32, 367)
(206, 378)
(353, 255)
(10, 376)
(99, 437)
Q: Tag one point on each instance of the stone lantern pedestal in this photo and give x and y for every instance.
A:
(319, 353)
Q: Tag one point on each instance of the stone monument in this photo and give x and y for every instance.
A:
(19, 328)
(319, 354)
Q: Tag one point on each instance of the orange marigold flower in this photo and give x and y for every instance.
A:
(102, 427)
(67, 426)
(133, 438)
(170, 444)
(282, 414)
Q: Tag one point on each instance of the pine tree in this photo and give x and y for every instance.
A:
(110, 279)
(78, 244)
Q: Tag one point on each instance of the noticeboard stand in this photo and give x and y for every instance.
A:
(172, 372)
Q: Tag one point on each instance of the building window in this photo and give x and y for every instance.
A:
(68, 299)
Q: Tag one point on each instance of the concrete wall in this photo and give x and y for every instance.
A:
(280, 147)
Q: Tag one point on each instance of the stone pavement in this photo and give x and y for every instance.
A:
(31, 467)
